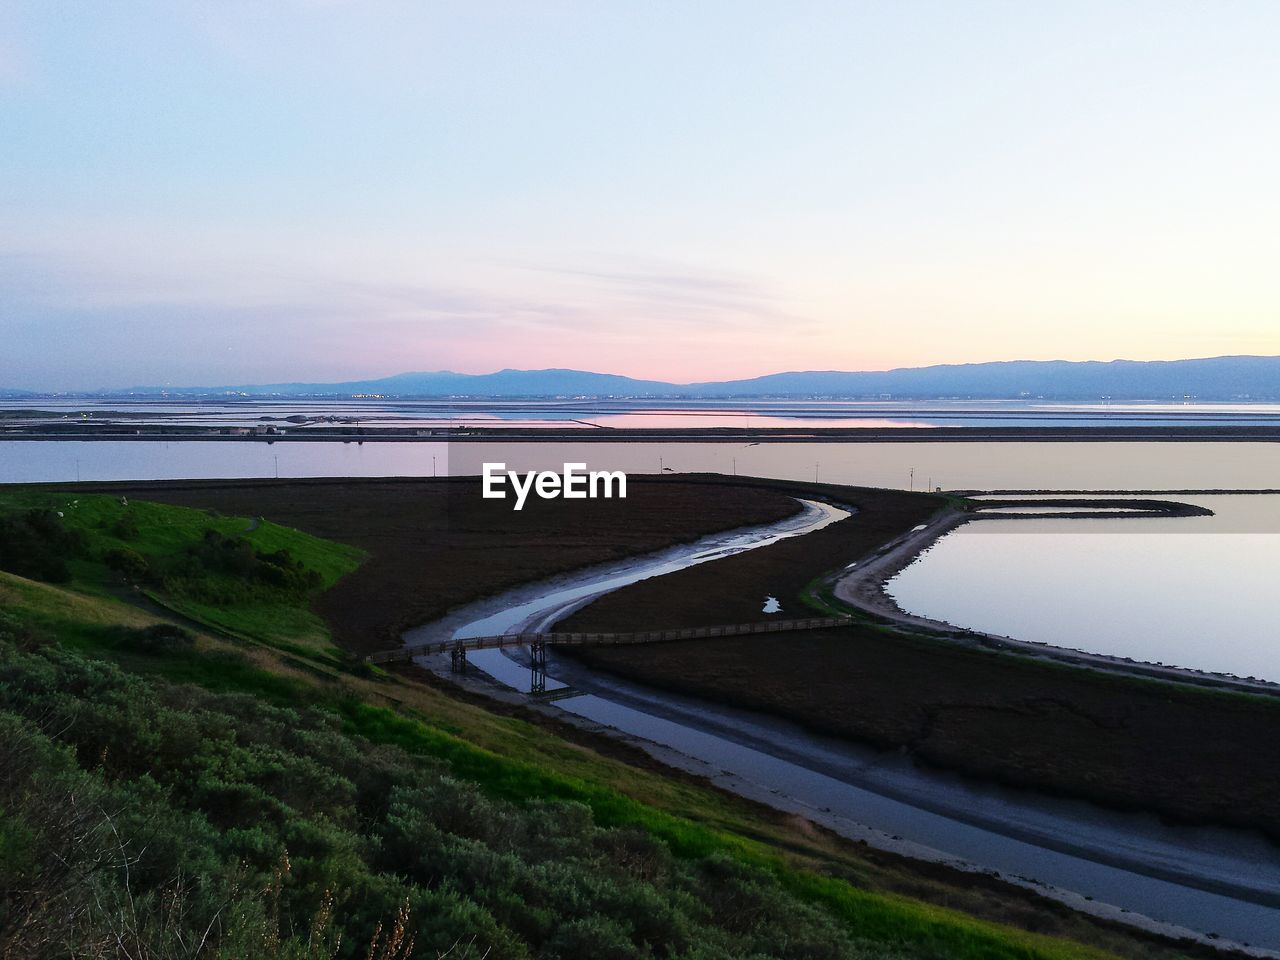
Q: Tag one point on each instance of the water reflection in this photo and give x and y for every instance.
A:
(587, 413)
(1182, 465)
(1194, 592)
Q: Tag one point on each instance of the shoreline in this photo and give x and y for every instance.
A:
(1208, 433)
(861, 586)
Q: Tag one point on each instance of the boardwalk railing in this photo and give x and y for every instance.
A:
(461, 645)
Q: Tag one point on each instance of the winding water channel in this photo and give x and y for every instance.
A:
(1180, 880)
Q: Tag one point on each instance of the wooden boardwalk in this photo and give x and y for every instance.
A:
(459, 647)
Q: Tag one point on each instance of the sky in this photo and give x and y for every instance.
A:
(240, 191)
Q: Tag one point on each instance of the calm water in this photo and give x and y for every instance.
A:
(1192, 591)
(587, 414)
(31, 461)
(954, 466)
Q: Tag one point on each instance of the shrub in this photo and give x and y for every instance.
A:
(36, 544)
(591, 938)
(24, 636)
(229, 570)
(128, 562)
(156, 638)
(125, 527)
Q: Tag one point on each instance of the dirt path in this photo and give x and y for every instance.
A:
(862, 584)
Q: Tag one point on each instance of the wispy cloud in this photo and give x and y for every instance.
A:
(677, 295)
(70, 323)
(121, 318)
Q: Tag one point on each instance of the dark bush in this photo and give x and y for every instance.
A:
(37, 544)
(24, 636)
(156, 638)
(128, 562)
(229, 570)
(125, 527)
(592, 938)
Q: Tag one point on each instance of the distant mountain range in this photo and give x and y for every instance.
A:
(1217, 378)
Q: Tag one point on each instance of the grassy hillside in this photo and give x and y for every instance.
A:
(189, 792)
(197, 563)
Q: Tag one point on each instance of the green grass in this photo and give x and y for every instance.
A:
(91, 624)
(285, 626)
(164, 533)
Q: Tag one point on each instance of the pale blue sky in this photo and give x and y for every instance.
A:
(229, 192)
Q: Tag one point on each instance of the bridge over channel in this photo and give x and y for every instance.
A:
(538, 642)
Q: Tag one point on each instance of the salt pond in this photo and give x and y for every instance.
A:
(1189, 591)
